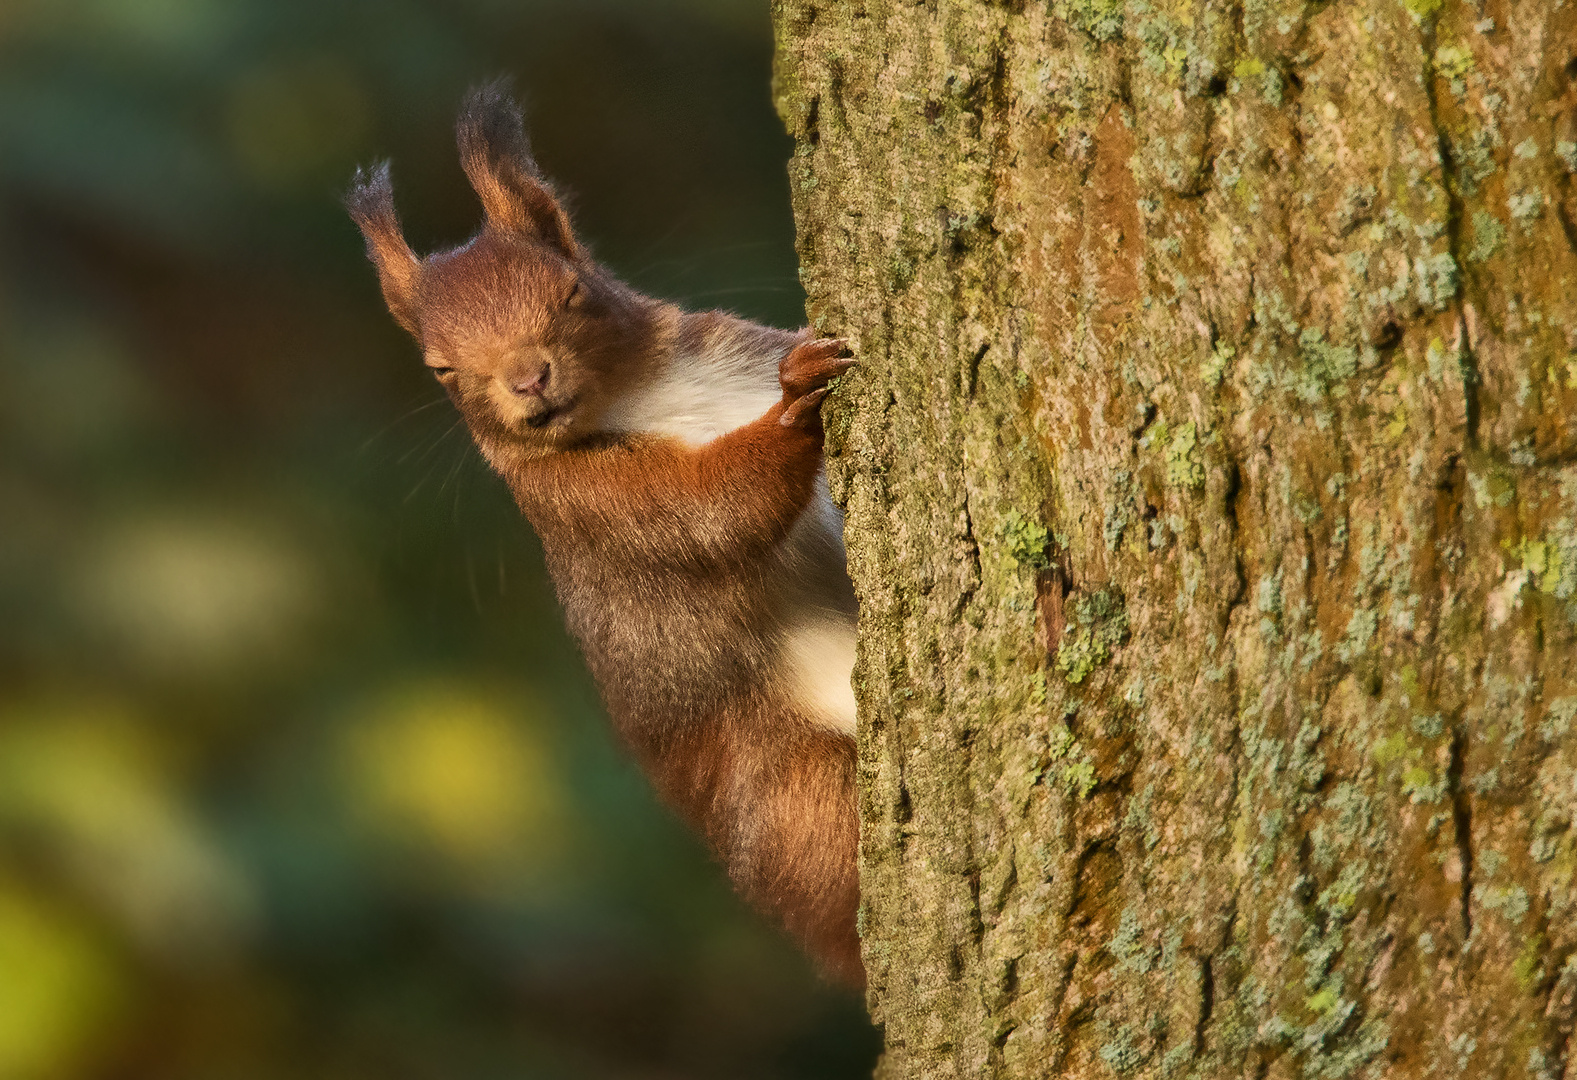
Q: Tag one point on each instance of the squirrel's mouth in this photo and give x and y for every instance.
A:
(549, 414)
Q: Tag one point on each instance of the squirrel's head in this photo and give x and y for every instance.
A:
(528, 335)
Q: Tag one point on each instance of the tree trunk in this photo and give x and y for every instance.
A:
(1211, 478)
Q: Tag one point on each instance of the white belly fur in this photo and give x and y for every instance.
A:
(818, 661)
(695, 401)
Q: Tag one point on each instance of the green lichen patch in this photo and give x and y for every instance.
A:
(1215, 365)
(1526, 205)
(1492, 487)
(1101, 19)
(1396, 424)
(1122, 1053)
(1079, 778)
(1097, 624)
(1558, 717)
(1423, 786)
(1510, 901)
(1322, 1001)
(1563, 372)
(901, 271)
(1037, 687)
(1360, 634)
(1182, 467)
(1120, 512)
(1528, 967)
(1453, 61)
(1325, 365)
(1248, 67)
(1069, 763)
(1026, 542)
(1488, 235)
(1271, 92)
(1552, 563)
(1061, 743)
(1436, 280)
(1389, 749)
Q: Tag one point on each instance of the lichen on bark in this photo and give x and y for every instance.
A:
(1211, 489)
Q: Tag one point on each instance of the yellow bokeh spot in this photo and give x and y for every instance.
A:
(85, 783)
(188, 593)
(59, 988)
(458, 771)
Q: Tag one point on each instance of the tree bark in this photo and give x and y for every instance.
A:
(1211, 479)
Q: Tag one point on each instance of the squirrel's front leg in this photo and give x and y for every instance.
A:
(750, 485)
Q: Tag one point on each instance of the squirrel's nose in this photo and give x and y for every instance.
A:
(531, 385)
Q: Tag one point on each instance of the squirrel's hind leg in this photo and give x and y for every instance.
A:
(793, 847)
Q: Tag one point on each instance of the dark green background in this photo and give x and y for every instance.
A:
(299, 775)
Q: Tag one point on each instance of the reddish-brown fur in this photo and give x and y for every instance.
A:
(671, 561)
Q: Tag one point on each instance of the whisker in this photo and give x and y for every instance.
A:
(459, 473)
(392, 424)
(454, 471)
(737, 289)
(425, 455)
(424, 449)
(667, 237)
(698, 256)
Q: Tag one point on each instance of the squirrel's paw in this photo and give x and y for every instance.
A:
(804, 374)
(811, 366)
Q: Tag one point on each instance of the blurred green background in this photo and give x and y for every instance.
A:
(299, 774)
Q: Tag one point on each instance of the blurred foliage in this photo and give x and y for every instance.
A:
(299, 775)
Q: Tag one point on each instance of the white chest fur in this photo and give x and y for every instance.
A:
(699, 398)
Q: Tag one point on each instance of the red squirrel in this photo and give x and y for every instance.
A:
(671, 463)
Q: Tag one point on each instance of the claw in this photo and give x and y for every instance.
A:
(802, 408)
(828, 345)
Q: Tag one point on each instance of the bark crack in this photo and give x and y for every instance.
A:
(972, 369)
(1568, 226)
(966, 593)
(1462, 822)
(1558, 1008)
(1207, 1001)
(1471, 376)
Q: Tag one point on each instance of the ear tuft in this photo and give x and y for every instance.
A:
(370, 201)
(492, 129)
(497, 159)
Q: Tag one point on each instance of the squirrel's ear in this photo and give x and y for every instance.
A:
(371, 205)
(498, 162)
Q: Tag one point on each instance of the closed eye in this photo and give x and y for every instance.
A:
(440, 371)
